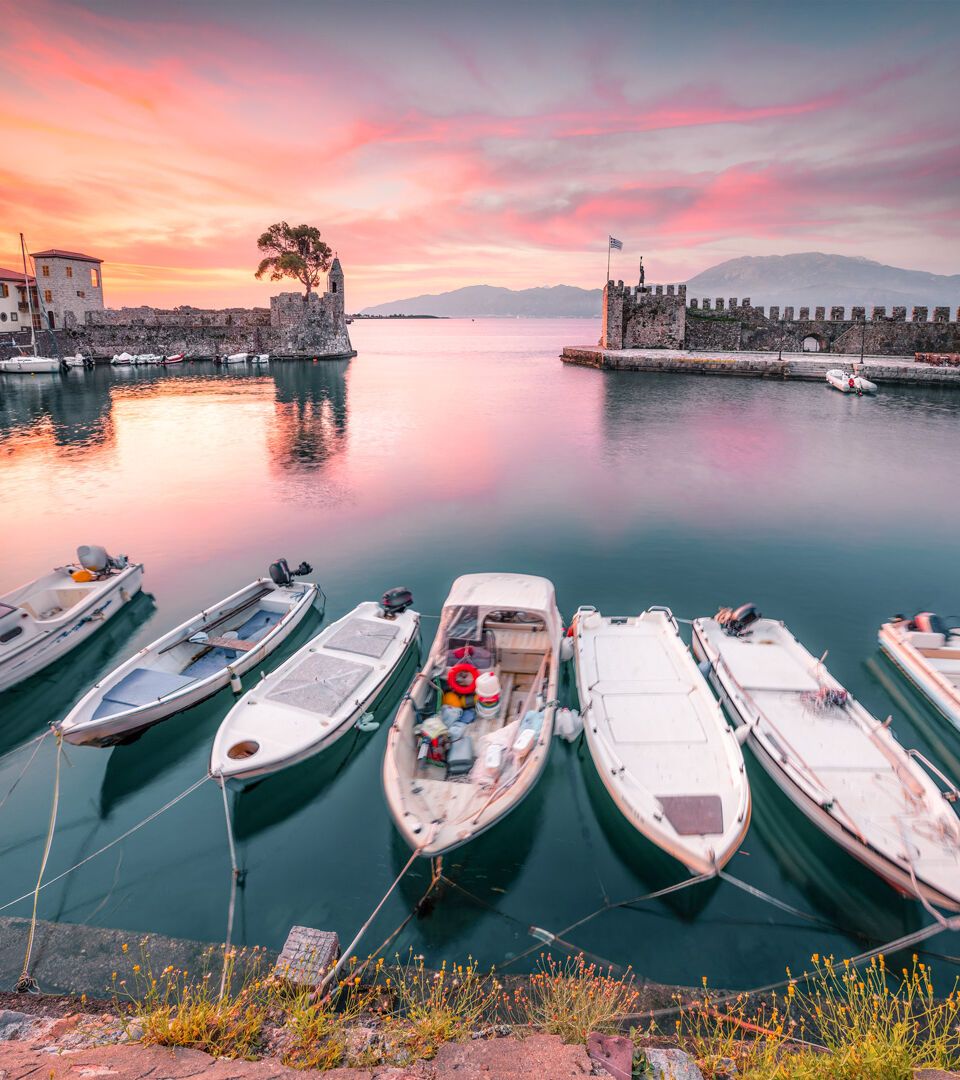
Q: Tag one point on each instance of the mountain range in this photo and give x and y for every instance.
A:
(808, 279)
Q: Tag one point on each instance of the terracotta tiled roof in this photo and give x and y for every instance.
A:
(15, 275)
(59, 253)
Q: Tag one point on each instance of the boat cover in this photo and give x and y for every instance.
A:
(364, 636)
(320, 684)
(140, 687)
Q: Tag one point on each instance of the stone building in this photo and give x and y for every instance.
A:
(661, 317)
(70, 285)
(14, 309)
(293, 326)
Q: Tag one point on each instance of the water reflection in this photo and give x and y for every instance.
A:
(69, 411)
(310, 420)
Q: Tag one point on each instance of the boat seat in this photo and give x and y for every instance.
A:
(140, 687)
(213, 659)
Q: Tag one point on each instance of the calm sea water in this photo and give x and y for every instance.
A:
(444, 448)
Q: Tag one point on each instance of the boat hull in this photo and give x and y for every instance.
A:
(127, 725)
(80, 624)
(945, 699)
(895, 876)
(640, 811)
(31, 365)
(237, 775)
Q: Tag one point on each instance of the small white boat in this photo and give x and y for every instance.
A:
(849, 382)
(78, 361)
(32, 365)
(123, 359)
(235, 358)
(260, 358)
(319, 694)
(177, 358)
(149, 358)
(193, 661)
(658, 737)
(44, 620)
(927, 651)
(453, 769)
(842, 768)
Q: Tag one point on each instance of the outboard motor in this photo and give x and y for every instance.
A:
(281, 574)
(94, 558)
(396, 601)
(735, 622)
(927, 622)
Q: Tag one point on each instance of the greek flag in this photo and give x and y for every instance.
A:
(615, 245)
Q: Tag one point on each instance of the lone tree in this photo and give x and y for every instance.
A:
(294, 251)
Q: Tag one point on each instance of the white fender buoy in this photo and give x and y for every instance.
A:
(566, 649)
(235, 684)
(367, 722)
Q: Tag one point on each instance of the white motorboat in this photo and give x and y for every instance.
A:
(193, 661)
(149, 358)
(319, 694)
(841, 767)
(32, 365)
(850, 382)
(235, 358)
(658, 737)
(123, 359)
(472, 737)
(927, 651)
(44, 620)
(78, 361)
(260, 358)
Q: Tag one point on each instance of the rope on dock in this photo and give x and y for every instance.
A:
(23, 772)
(106, 847)
(26, 983)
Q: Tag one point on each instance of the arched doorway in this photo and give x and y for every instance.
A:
(811, 343)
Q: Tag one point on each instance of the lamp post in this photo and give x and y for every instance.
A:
(780, 350)
(863, 334)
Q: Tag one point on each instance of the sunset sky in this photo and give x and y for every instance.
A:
(442, 144)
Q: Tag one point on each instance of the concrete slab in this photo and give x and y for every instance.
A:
(760, 365)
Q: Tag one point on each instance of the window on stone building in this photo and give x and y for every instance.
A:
(14, 317)
(81, 293)
(69, 271)
(50, 319)
(4, 289)
(95, 278)
(333, 286)
(48, 296)
(45, 270)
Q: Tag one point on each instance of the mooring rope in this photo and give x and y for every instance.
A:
(348, 952)
(106, 847)
(234, 883)
(26, 983)
(23, 771)
(23, 746)
(905, 942)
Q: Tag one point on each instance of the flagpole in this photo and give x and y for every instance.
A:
(608, 262)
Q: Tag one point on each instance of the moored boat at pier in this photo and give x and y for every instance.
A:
(927, 651)
(196, 659)
(45, 619)
(841, 767)
(472, 737)
(658, 737)
(319, 694)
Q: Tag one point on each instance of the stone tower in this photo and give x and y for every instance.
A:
(335, 288)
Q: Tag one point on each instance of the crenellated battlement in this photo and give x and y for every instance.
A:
(645, 316)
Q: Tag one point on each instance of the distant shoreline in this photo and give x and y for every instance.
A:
(360, 316)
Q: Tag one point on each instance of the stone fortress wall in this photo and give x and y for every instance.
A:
(292, 326)
(661, 317)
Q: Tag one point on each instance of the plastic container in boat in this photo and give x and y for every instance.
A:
(488, 685)
(524, 743)
(493, 761)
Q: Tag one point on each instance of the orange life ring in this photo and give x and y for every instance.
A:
(453, 678)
